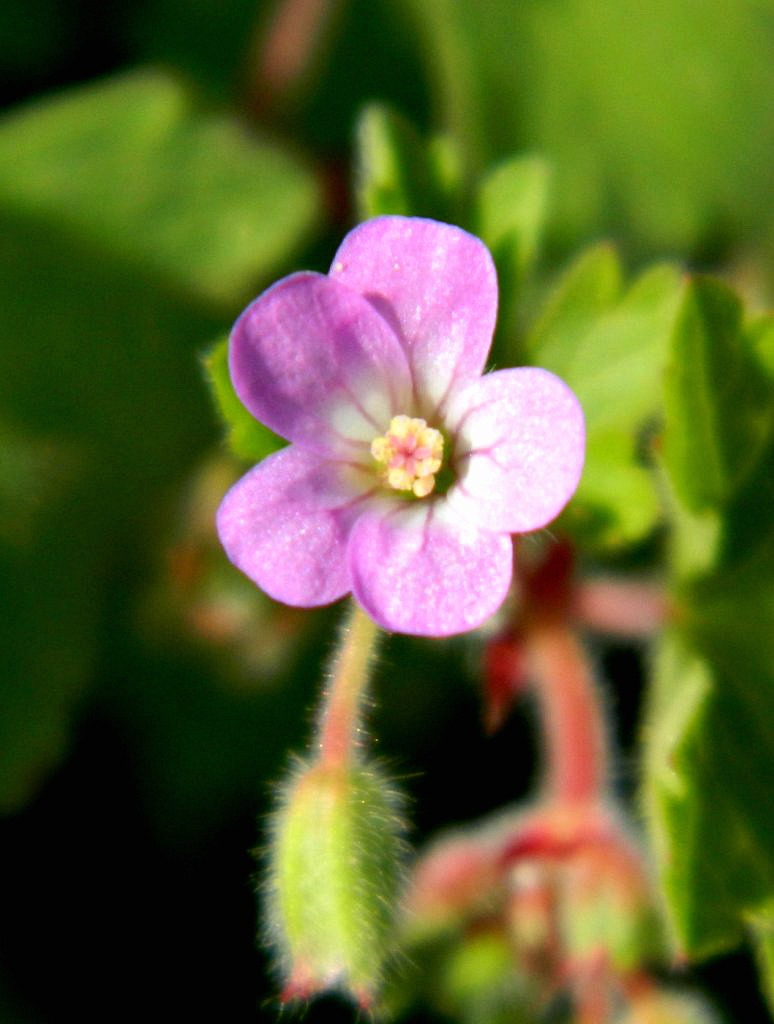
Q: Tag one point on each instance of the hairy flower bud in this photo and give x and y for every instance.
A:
(335, 856)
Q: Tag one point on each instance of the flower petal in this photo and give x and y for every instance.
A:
(519, 449)
(311, 359)
(437, 286)
(281, 526)
(416, 572)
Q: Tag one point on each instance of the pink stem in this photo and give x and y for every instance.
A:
(574, 731)
(339, 726)
(290, 45)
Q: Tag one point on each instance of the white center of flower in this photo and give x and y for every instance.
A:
(409, 455)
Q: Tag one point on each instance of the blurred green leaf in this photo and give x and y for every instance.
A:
(124, 216)
(585, 84)
(48, 592)
(710, 727)
(129, 167)
(101, 358)
(511, 211)
(616, 503)
(709, 761)
(610, 346)
(390, 159)
(510, 216)
(103, 411)
(397, 172)
(763, 933)
(613, 356)
(761, 334)
(589, 288)
(719, 409)
(247, 438)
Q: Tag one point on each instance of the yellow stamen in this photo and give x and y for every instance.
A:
(409, 455)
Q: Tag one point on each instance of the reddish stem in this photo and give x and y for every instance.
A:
(592, 993)
(576, 746)
(286, 51)
(340, 719)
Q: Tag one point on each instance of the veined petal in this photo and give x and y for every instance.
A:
(285, 525)
(312, 359)
(415, 571)
(435, 284)
(519, 438)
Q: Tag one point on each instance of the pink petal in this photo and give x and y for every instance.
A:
(414, 571)
(519, 449)
(285, 525)
(311, 359)
(437, 286)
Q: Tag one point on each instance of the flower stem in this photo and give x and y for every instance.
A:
(339, 725)
(576, 746)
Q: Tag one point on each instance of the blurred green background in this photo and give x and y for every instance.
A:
(161, 162)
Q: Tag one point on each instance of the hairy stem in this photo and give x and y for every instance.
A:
(576, 746)
(343, 698)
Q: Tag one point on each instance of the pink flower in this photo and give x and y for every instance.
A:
(407, 469)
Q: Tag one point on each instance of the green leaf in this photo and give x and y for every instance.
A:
(42, 684)
(718, 406)
(763, 933)
(709, 759)
(510, 216)
(610, 347)
(397, 172)
(570, 79)
(124, 215)
(710, 728)
(247, 438)
(590, 287)
(616, 503)
(511, 212)
(129, 167)
(103, 412)
(48, 592)
(761, 333)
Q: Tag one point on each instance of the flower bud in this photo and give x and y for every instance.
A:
(454, 881)
(334, 870)
(606, 908)
(531, 908)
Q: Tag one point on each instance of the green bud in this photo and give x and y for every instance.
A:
(606, 908)
(334, 871)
